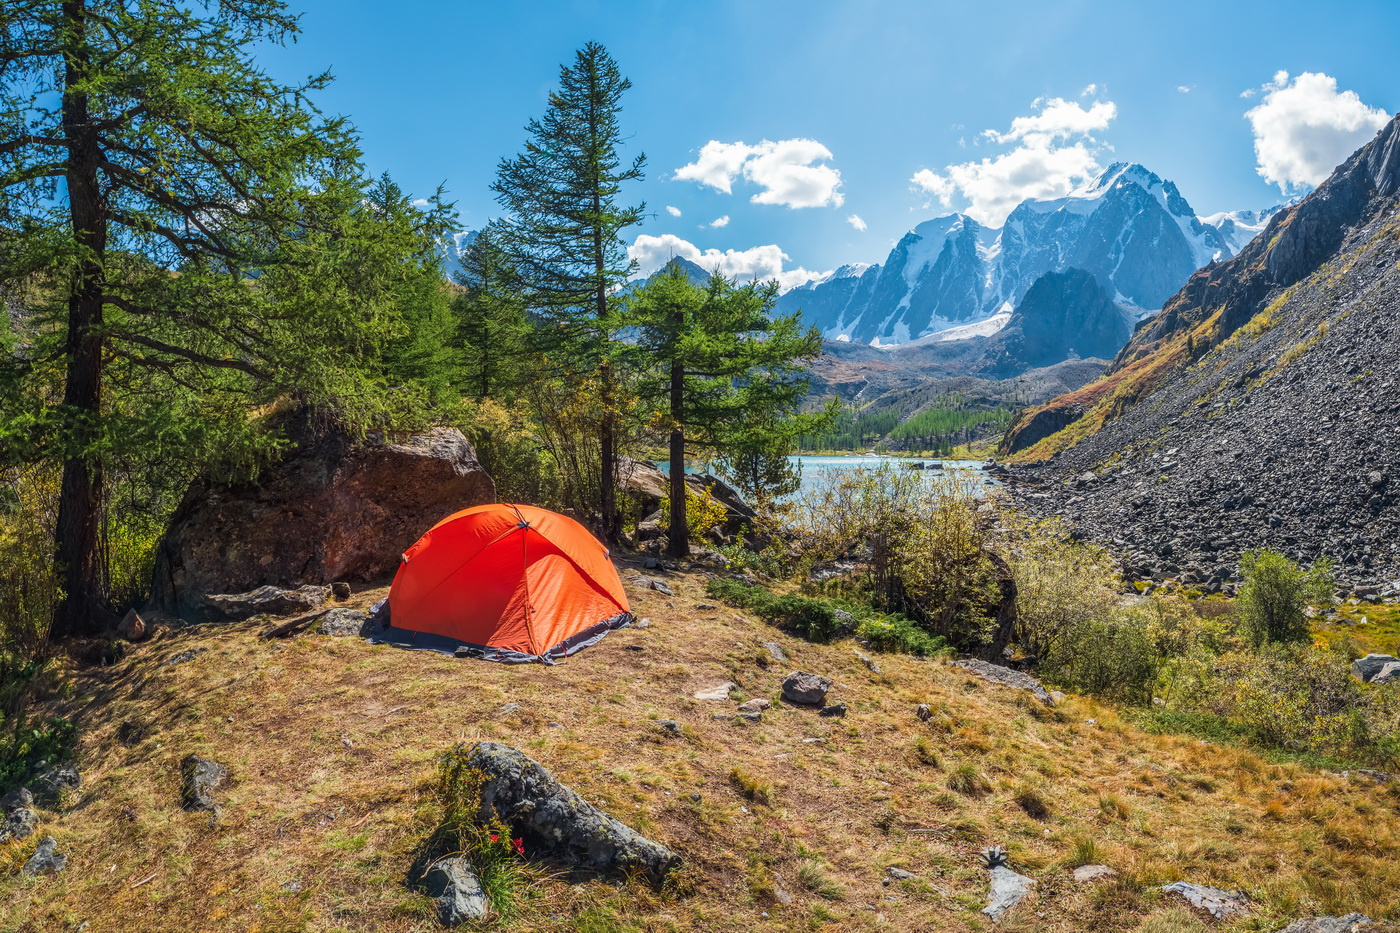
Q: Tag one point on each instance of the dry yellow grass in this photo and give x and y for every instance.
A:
(330, 742)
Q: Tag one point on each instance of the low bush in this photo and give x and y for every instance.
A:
(1275, 594)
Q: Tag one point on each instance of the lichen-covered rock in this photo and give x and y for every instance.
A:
(1017, 680)
(265, 600)
(1351, 923)
(45, 858)
(199, 778)
(344, 622)
(19, 798)
(1008, 889)
(56, 782)
(454, 886)
(806, 689)
(1222, 905)
(333, 509)
(1085, 874)
(19, 824)
(554, 819)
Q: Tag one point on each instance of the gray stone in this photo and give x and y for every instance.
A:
(265, 600)
(45, 858)
(756, 705)
(838, 709)
(1374, 666)
(507, 709)
(342, 622)
(1087, 873)
(869, 662)
(1351, 923)
(341, 590)
(199, 778)
(669, 726)
(751, 715)
(654, 583)
(1017, 680)
(555, 819)
(453, 884)
(899, 874)
(720, 692)
(806, 689)
(1222, 905)
(182, 657)
(16, 799)
(55, 782)
(1389, 674)
(923, 712)
(775, 651)
(19, 824)
(1008, 889)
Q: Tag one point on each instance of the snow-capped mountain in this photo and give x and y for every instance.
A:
(1239, 227)
(1133, 231)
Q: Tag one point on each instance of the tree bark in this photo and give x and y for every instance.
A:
(678, 540)
(80, 496)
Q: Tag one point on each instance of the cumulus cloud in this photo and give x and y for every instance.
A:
(673, 211)
(1304, 127)
(1055, 150)
(720, 221)
(1185, 88)
(855, 221)
(786, 171)
(758, 263)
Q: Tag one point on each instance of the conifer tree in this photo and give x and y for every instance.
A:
(493, 327)
(719, 368)
(190, 239)
(562, 234)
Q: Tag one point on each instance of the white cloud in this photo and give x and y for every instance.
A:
(1044, 164)
(855, 221)
(785, 170)
(419, 202)
(1089, 91)
(1304, 127)
(1185, 88)
(720, 222)
(673, 211)
(761, 263)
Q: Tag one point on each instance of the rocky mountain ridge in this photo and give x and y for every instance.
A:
(1261, 408)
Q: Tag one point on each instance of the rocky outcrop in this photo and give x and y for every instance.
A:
(1064, 315)
(1006, 677)
(647, 485)
(1222, 905)
(265, 600)
(553, 819)
(332, 510)
(1376, 669)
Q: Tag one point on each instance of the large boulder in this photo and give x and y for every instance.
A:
(1376, 669)
(332, 510)
(554, 819)
(647, 485)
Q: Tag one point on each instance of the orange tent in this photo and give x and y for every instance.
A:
(506, 583)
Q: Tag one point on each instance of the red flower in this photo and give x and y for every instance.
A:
(519, 846)
(495, 838)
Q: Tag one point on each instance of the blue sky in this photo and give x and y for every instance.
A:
(878, 110)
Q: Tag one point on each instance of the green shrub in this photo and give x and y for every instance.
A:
(1275, 594)
(1110, 658)
(1061, 585)
(485, 842)
(889, 632)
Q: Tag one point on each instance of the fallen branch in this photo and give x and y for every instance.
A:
(292, 627)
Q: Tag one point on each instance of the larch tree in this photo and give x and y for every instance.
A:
(562, 233)
(190, 239)
(717, 367)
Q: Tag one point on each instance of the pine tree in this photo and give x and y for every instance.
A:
(562, 234)
(189, 238)
(493, 328)
(721, 372)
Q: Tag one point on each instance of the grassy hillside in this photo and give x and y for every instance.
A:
(789, 824)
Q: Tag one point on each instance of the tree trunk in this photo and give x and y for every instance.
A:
(80, 497)
(678, 541)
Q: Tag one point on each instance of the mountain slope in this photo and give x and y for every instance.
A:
(1132, 230)
(1064, 315)
(1260, 408)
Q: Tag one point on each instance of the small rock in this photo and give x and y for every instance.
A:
(1222, 905)
(341, 590)
(634, 647)
(817, 741)
(508, 709)
(899, 874)
(199, 778)
(780, 890)
(1008, 889)
(1351, 923)
(455, 887)
(806, 689)
(717, 693)
(838, 709)
(1018, 680)
(923, 712)
(45, 858)
(19, 824)
(705, 607)
(341, 622)
(57, 781)
(132, 627)
(775, 651)
(669, 726)
(868, 661)
(756, 705)
(1058, 696)
(642, 623)
(655, 583)
(182, 657)
(750, 715)
(1087, 873)
(17, 799)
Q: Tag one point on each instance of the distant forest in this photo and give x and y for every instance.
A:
(934, 430)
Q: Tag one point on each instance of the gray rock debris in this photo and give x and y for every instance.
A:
(1222, 905)
(1017, 680)
(806, 689)
(775, 651)
(1351, 923)
(869, 662)
(16, 799)
(552, 817)
(720, 692)
(57, 781)
(342, 622)
(454, 886)
(1085, 874)
(756, 705)
(45, 858)
(199, 778)
(266, 600)
(654, 583)
(899, 874)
